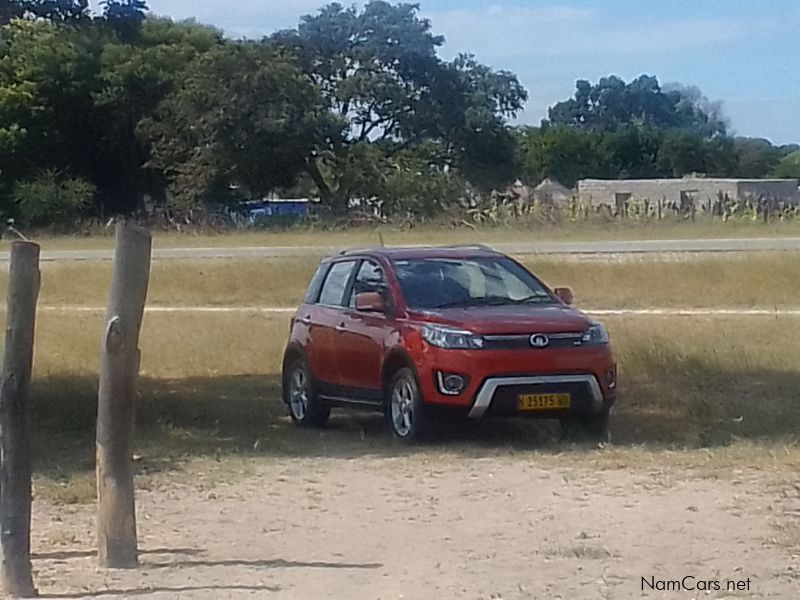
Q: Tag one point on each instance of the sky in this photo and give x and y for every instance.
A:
(745, 53)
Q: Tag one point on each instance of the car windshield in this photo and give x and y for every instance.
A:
(433, 283)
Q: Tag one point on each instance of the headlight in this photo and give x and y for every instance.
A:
(451, 338)
(596, 335)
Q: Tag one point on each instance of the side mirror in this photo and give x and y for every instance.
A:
(565, 295)
(370, 302)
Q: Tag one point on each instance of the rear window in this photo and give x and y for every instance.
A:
(336, 283)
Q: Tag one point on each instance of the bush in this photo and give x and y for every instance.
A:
(51, 199)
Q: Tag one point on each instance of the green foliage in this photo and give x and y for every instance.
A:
(379, 72)
(611, 103)
(242, 114)
(54, 11)
(754, 156)
(50, 199)
(564, 154)
(354, 105)
(409, 182)
(788, 166)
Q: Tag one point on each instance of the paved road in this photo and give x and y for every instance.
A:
(521, 248)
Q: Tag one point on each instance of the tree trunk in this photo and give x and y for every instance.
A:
(325, 192)
(15, 450)
(119, 370)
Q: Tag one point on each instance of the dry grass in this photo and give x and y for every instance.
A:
(769, 279)
(707, 381)
(210, 390)
(441, 234)
(739, 280)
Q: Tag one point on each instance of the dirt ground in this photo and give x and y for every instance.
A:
(439, 527)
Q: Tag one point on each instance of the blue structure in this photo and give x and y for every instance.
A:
(276, 207)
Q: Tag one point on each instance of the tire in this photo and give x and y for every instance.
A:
(405, 410)
(306, 408)
(592, 429)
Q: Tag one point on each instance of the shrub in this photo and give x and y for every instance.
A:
(51, 199)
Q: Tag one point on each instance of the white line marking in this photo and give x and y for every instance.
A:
(611, 312)
(695, 312)
(176, 309)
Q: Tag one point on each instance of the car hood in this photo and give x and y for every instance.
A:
(505, 320)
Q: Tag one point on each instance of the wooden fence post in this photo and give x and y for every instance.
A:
(119, 371)
(15, 448)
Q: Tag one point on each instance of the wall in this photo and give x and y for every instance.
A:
(603, 191)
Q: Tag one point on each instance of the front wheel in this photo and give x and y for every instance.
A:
(306, 408)
(405, 409)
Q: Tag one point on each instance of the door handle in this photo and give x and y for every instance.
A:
(341, 326)
(305, 320)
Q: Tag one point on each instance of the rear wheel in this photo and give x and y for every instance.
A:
(306, 408)
(405, 409)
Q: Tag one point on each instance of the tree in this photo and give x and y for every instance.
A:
(132, 81)
(243, 115)
(755, 157)
(71, 99)
(631, 151)
(124, 10)
(125, 16)
(788, 166)
(55, 11)
(472, 115)
(612, 103)
(564, 154)
(379, 73)
(46, 76)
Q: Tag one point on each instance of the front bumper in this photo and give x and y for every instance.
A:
(497, 377)
(487, 392)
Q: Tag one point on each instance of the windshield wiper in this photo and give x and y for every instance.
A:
(533, 299)
(485, 301)
(494, 301)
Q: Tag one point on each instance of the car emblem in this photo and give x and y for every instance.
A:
(539, 340)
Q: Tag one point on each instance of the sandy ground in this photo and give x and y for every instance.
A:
(420, 527)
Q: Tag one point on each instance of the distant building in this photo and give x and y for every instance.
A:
(618, 192)
(551, 191)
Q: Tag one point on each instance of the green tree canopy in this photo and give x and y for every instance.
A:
(379, 72)
(611, 103)
(788, 166)
(242, 115)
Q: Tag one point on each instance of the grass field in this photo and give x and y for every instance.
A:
(210, 389)
(209, 398)
(438, 234)
(769, 279)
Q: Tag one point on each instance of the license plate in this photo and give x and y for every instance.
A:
(543, 401)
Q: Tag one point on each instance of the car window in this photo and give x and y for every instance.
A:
(336, 283)
(312, 293)
(444, 282)
(370, 278)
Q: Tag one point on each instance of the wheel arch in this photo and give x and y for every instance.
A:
(293, 352)
(395, 360)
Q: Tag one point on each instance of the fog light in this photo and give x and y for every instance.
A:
(611, 378)
(450, 383)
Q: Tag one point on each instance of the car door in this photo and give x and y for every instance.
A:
(323, 320)
(362, 335)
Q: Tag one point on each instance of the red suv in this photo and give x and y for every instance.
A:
(417, 332)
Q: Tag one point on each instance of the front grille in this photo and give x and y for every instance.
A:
(523, 341)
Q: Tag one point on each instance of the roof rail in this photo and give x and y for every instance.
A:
(346, 251)
(353, 250)
(477, 246)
